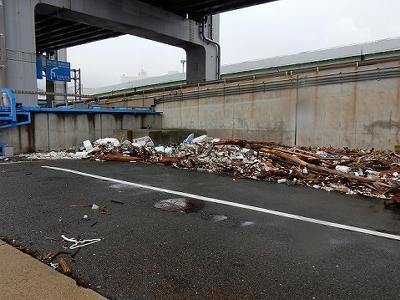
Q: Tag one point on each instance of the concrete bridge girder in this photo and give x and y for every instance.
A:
(125, 16)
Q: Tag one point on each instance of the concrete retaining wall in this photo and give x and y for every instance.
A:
(359, 114)
(50, 131)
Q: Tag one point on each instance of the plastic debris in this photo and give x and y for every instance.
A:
(95, 206)
(54, 265)
(200, 139)
(88, 146)
(79, 244)
(189, 139)
(143, 141)
(343, 169)
(159, 149)
(114, 142)
(168, 150)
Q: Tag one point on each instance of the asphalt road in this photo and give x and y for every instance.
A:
(148, 253)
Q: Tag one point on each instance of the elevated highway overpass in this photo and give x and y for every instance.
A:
(35, 27)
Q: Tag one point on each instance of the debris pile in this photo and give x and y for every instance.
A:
(368, 172)
(53, 155)
(371, 172)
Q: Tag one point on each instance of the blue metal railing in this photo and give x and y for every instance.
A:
(12, 115)
(9, 114)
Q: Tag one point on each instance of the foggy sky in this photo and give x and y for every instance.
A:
(273, 29)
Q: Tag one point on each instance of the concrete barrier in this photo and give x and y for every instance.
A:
(56, 131)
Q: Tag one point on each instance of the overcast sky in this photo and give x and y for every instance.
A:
(278, 28)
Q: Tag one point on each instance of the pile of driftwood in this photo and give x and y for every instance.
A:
(353, 171)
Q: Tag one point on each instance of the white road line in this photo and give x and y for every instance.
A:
(234, 204)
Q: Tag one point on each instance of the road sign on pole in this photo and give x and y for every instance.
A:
(58, 70)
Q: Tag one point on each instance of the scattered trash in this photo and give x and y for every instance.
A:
(189, 139)
(143, 141)
(95, 206)
(200, 139)
(79, 244)
(54, 265)
(88, 146)
(104, 211)
(117, 201)
(107, 141)
(343, 169)
(159, 149)
(85, 217)
(66, 269)
(53, 155)
(367, 172)
(48, 256)
(123, 158)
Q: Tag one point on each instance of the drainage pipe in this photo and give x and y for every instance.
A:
(210, 41)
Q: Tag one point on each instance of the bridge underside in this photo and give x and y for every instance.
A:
(59, 24)
(54, 32)
(197, 9)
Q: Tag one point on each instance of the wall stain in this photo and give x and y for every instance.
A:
(373, 127)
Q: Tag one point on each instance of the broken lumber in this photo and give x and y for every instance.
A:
(318, 169)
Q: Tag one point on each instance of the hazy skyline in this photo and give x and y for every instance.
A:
(279, 28)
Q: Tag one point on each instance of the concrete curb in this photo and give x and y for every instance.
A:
(23, 277)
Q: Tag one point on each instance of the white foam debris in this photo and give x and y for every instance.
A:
(106, 141)
(53, 155)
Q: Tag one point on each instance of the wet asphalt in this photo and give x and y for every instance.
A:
(211, 251)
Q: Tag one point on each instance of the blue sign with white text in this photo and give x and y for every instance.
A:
(58, 70)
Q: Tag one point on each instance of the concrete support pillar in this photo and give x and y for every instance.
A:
(3, 60)
(20, 47)
(201, 63)
(123, 16)
(143, 20)
(203, 60)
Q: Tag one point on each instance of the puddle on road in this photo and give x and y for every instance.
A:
(180, 205)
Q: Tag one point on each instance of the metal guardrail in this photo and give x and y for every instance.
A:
(43, 93)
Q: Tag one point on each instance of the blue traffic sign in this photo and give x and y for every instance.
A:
(58, 70)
